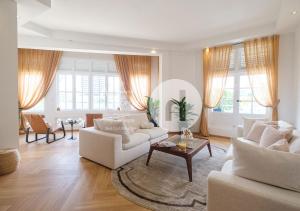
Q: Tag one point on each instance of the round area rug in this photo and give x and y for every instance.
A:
(164, 184)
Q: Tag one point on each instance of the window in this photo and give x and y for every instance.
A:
(237, 88)
(65, 91)
(247, 103)
(113, 92)
(99, 92)
(82, 92)
(87, 84)
(226, 103)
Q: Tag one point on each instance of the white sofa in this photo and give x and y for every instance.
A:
(228, 192)
(109, 149)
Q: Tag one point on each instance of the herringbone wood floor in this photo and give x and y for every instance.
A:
(54, 177)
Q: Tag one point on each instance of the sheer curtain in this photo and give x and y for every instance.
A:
(36, 71)
(216, 62)
(135, 73)
(261, 57)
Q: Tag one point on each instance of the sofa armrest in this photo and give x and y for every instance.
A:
(99, 146)
(240, 131)
(230, 192)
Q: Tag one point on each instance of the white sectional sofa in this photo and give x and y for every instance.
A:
(228, 192)
(111, 150)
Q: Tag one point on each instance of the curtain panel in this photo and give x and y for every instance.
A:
(261, 57)
(135, 73)
(216, 62)
(36, 72)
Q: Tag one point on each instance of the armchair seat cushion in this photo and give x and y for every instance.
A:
(153, 132)
(136, 139)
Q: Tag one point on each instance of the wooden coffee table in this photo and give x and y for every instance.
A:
(193, 147)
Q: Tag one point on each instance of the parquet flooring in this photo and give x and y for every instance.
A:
(53, 177)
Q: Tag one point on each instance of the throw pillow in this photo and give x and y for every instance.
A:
(113, 126)
(247, 124)
(270, 136)
(256, 131)
(281, 145)
(130, 124)
(287, 133)
(295, 146)
(266, 166)
(147, 125)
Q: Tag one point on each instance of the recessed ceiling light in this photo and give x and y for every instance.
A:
(153, 51)
(294, 12)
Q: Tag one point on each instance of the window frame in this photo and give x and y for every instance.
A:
(109, 65)
(64, 72)
(81, 73)
(237, 71)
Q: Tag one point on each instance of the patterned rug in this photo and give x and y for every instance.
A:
(164, 184)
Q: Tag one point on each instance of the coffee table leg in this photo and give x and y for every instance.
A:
(209, 149)
(149, 156)
(189, 168)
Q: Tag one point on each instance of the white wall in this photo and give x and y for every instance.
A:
(8, 79)
(297, 77)
(286, 93)
(183, 65)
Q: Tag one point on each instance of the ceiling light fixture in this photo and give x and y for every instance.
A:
(294, 12)
(153, 51)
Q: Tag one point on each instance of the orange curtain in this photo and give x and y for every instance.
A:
(36, 71)
(216, 62)
(135, 73)
(261, 57)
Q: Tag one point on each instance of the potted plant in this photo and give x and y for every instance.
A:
(185, 113)
(181, 108)
(152, 110)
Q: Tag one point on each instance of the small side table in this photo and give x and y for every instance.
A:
(72, 122)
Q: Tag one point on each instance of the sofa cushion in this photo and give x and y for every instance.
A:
(147, 125)
(227, 167)
(154, 132)
(248, 122)
(295, 145)
(229, 154)
(113, 126)
(281, 145)
(270, 136)
(267, 166)
(135, 140)
(256, 131)
(135, 120)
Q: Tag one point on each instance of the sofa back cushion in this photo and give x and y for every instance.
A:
(270, 136)
(134, 121)
(295, 145)
(113, 126)
(281, 145)
(256, 131)
(248, 122)
(267, 166)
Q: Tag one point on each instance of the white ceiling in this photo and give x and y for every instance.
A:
(159, 24)
(161, 20)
